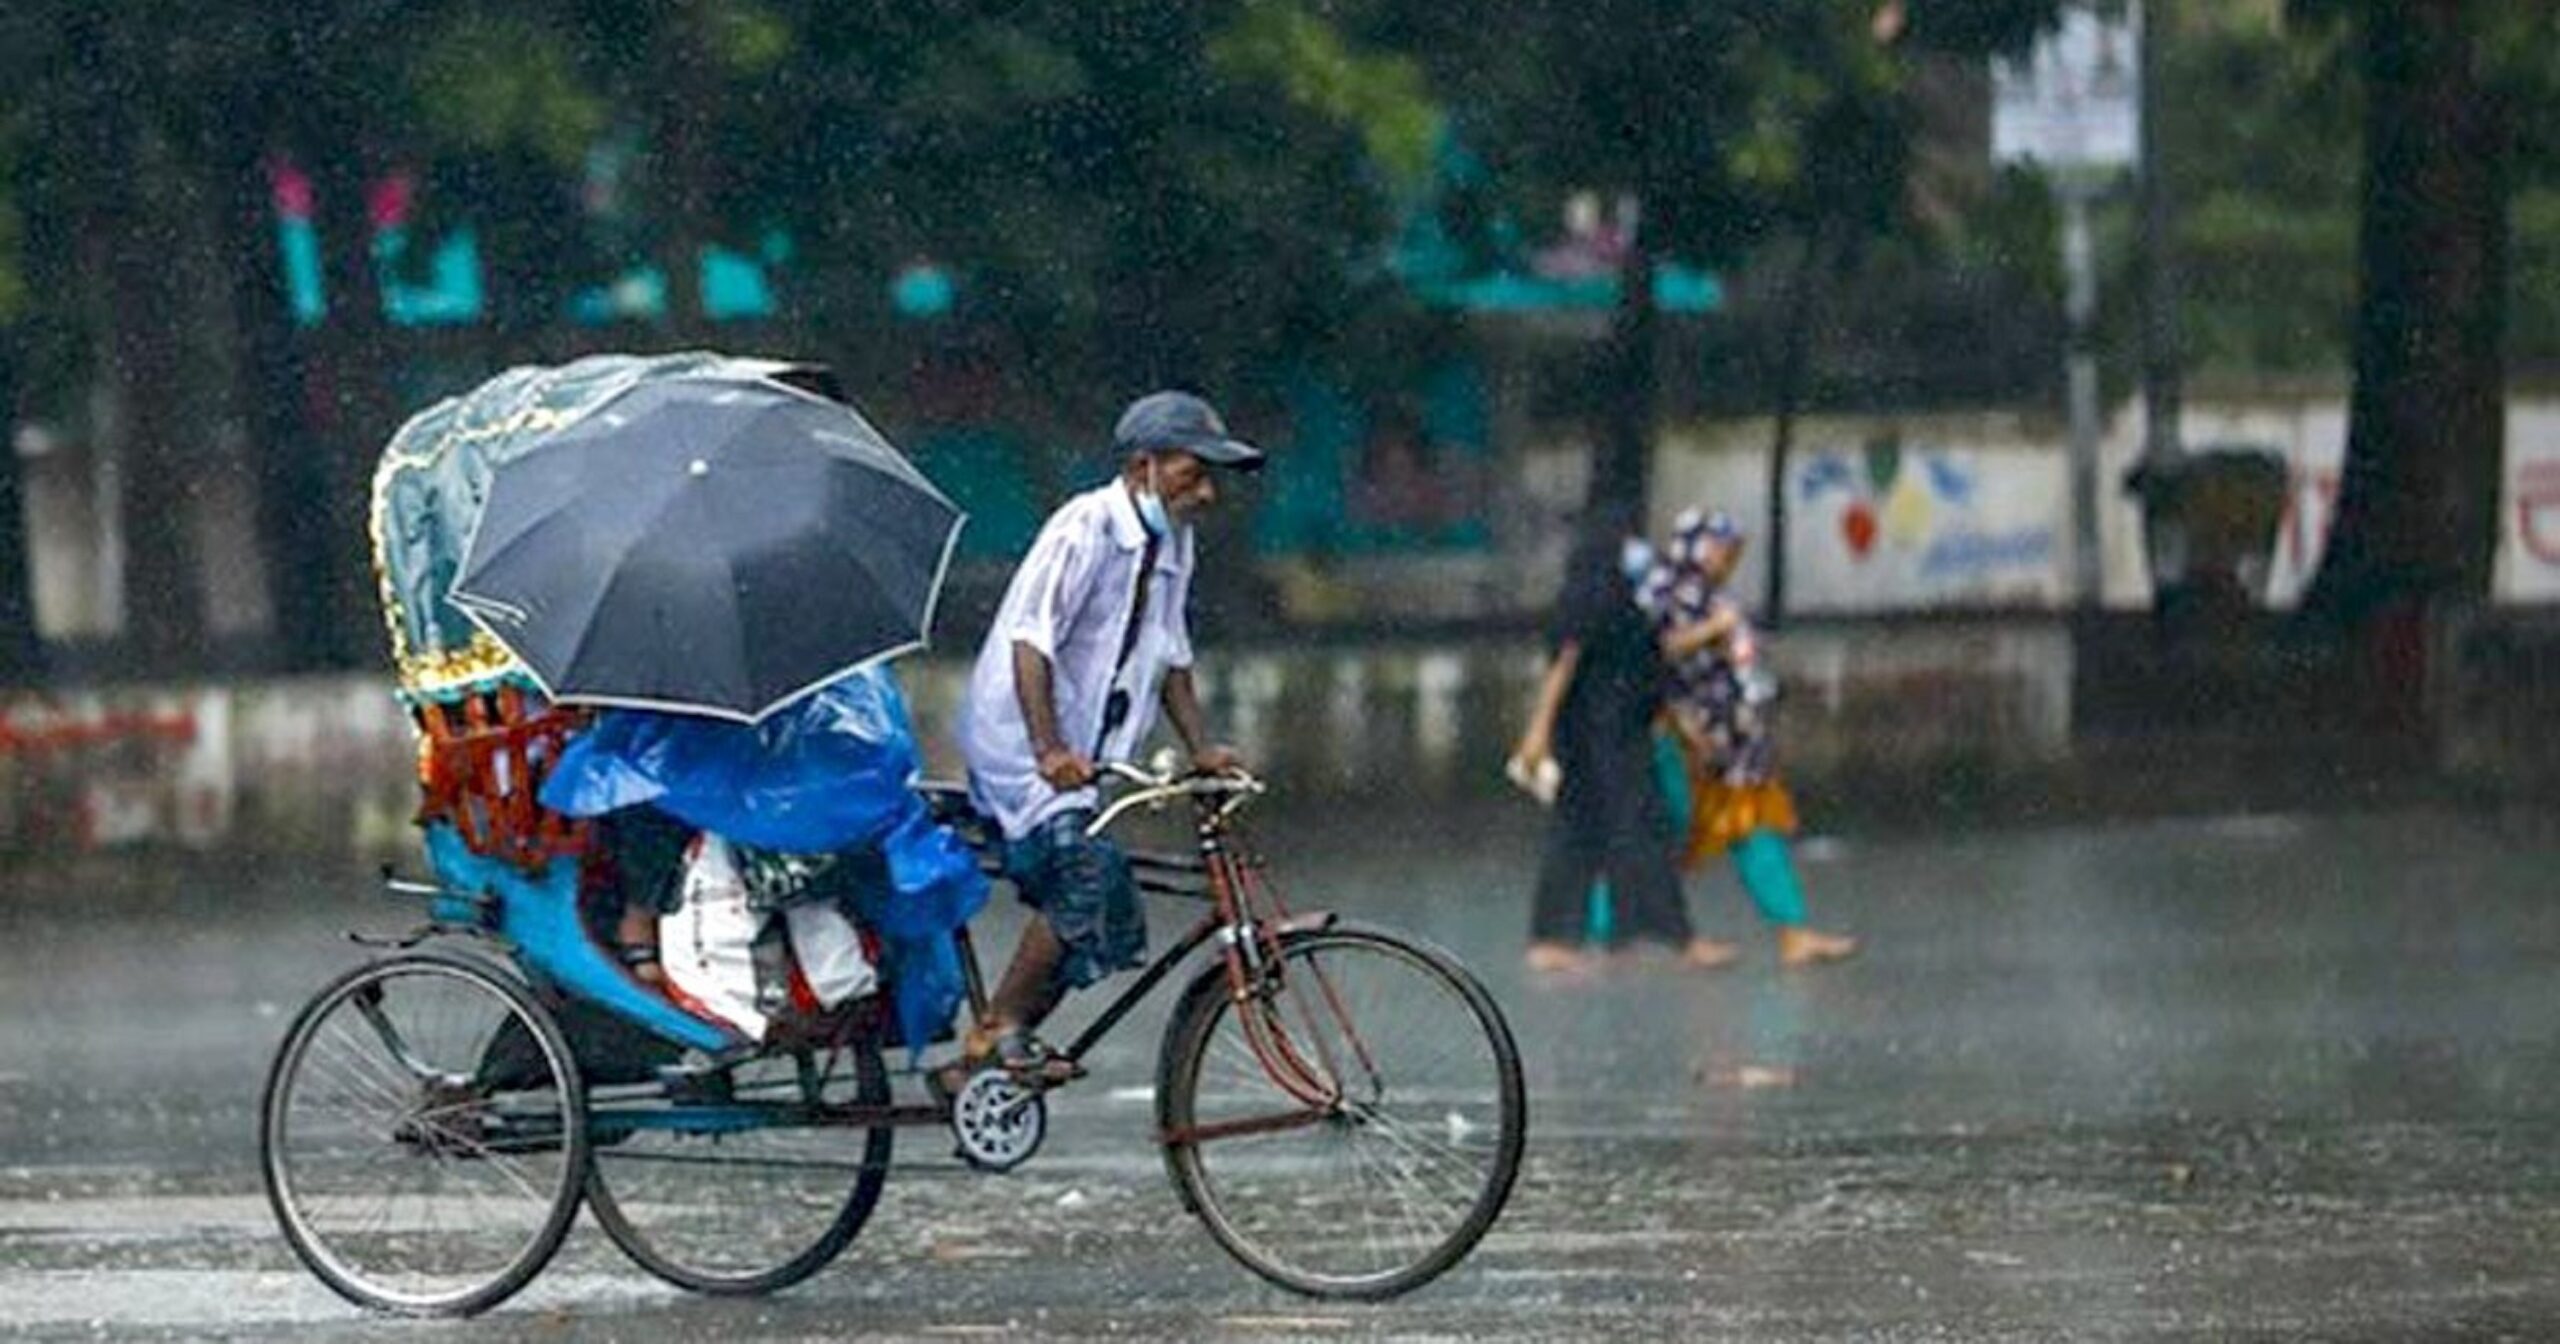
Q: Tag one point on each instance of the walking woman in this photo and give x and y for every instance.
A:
(1721, 702)
(1592, 723)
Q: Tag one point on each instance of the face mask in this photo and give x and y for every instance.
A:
(1151, 510)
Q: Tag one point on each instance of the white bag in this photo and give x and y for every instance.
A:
(1541, 781)
(708, 945)
(829, 947)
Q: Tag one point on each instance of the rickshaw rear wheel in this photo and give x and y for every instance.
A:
(410, 1176)
(735, 1195)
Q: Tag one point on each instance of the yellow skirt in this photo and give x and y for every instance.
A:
(1721, 813)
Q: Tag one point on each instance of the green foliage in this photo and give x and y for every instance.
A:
(2519, 44)
(13, 272)
(2264, 130)
(2261, 127)
(2270, 287)
(505, 82)
(1175, 188)
(1208, 185)
(750, 40)
(14, 291)
(1384, 96)
(2533, 284)
(986, 75)
(1732, 122)
(1983, 27)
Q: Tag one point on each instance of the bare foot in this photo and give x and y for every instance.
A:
(1551, 958)
(1707, 954)
(1805, 947)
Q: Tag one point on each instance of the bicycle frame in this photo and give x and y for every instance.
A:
(1228, 889)
(1219, 876)
(1251, 922)
(1245, 917)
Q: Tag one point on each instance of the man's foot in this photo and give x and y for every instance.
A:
(1028, 1058)
(1707, 954)
(1799, 946)
(1550, 958)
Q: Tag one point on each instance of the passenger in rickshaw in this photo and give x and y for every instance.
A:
(1092, 636)
(814, 804)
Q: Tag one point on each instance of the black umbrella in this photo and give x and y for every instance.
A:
(707, 545)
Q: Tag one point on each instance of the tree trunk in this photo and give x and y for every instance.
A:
(687, 93)
(122, 258)
(348, 408)
(164, 580)
(294, 533)
(2417, 506)
(1622, 469)
(1793, 359)
(18, 645)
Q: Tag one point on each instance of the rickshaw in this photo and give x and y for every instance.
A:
(1340, 1105)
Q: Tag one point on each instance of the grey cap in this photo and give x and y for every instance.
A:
(1162, 420)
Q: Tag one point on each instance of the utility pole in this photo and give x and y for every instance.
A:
(2080, 367)
(2162, 357)
(2071, 107)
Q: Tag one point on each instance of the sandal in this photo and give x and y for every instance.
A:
(1029, 1059)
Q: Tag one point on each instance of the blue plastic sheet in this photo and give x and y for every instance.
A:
(829, 774)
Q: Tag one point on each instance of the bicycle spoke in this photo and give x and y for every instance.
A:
(1408, 1143)
(1373, 1199)
(350, 1065)
(390, 1183)
(753, 1208)
(502, 1164)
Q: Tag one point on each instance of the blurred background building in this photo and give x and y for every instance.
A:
(1463, 283)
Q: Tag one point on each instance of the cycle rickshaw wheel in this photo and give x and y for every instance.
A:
(734, 1193)
(1353, 1132)
(411, 1169)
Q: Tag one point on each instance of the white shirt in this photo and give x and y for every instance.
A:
(1071, 601)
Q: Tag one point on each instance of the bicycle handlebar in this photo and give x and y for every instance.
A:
(1156, 787)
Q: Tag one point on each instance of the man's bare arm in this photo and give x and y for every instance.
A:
(1181, 700)
(1062, 765)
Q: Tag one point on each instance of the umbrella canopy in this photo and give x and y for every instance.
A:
(707, 546)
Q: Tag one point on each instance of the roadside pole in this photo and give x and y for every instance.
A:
(2070, 108)
(2080, 366)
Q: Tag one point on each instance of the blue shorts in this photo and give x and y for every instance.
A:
(1081, 884)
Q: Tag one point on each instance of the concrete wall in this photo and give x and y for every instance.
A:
(1967, 510)
(327, 762)
(1888, 514)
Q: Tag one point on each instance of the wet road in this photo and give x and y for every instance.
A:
(2270, 1076)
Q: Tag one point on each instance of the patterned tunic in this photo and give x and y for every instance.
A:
(1721, 697)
